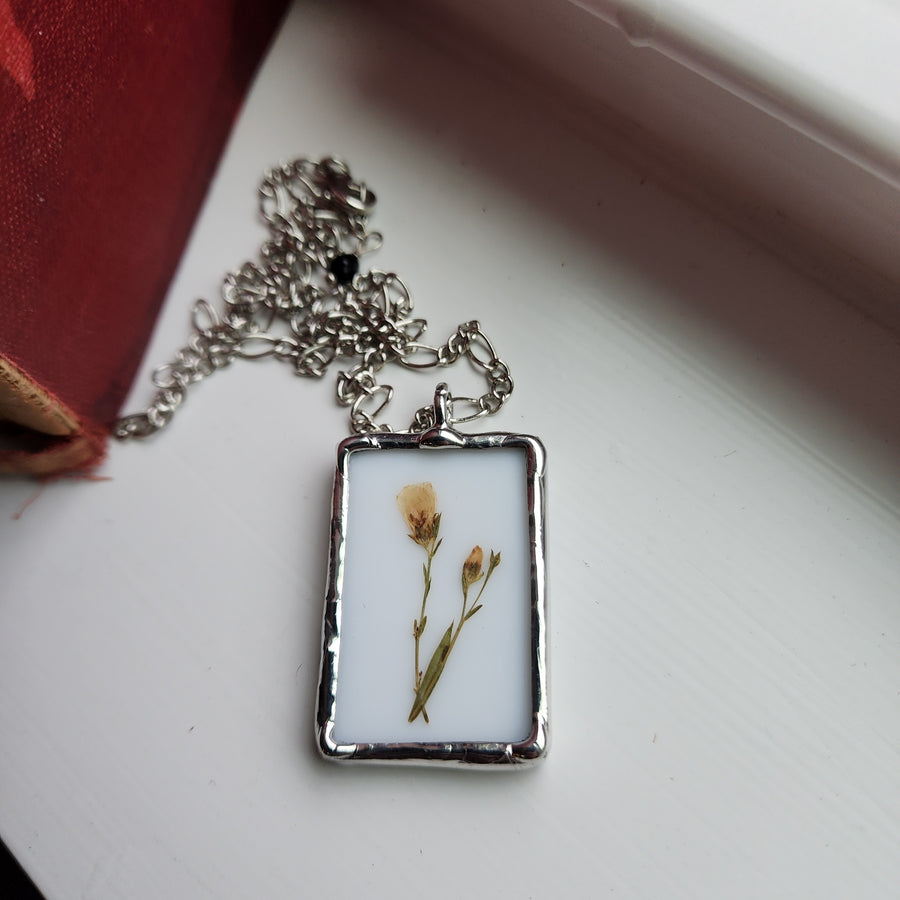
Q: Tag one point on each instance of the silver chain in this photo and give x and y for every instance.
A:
(304, 302)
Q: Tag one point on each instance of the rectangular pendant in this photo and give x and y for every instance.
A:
(435, 630)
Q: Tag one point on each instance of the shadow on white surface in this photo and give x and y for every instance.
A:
(702, 288)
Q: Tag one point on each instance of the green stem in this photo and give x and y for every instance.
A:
(462, 619)
(425, 684)
(419, 626)
(443, 650)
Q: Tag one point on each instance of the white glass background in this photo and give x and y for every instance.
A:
(484, 693)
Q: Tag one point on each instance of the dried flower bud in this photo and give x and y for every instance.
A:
(472, 567)
(418, 504)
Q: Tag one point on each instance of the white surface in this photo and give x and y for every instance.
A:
(484, 693)
(723, 448)
(781, 117)
(828, 68)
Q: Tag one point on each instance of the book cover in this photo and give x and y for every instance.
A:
(113, 119)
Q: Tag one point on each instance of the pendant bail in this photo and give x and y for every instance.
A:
(442, 400)
(441, 432)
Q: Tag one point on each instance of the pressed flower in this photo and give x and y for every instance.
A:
(418, 504)
(471, 571)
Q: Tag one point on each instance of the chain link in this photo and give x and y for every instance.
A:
(305, 303)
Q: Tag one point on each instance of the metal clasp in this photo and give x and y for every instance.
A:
(348, 195)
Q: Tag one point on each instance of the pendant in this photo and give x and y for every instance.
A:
(435, 630)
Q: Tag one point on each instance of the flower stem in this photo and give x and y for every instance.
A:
(419, 625)
(462, 618)
(445, 647)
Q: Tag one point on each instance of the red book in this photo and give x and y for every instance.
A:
(112, 118)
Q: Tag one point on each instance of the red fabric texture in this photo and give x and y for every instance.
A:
(112, 118)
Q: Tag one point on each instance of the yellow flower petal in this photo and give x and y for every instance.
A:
(418, 504)
(472, 566)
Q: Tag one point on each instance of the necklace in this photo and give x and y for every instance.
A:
(411, 509)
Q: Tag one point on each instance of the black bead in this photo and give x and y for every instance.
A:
(344, 267)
